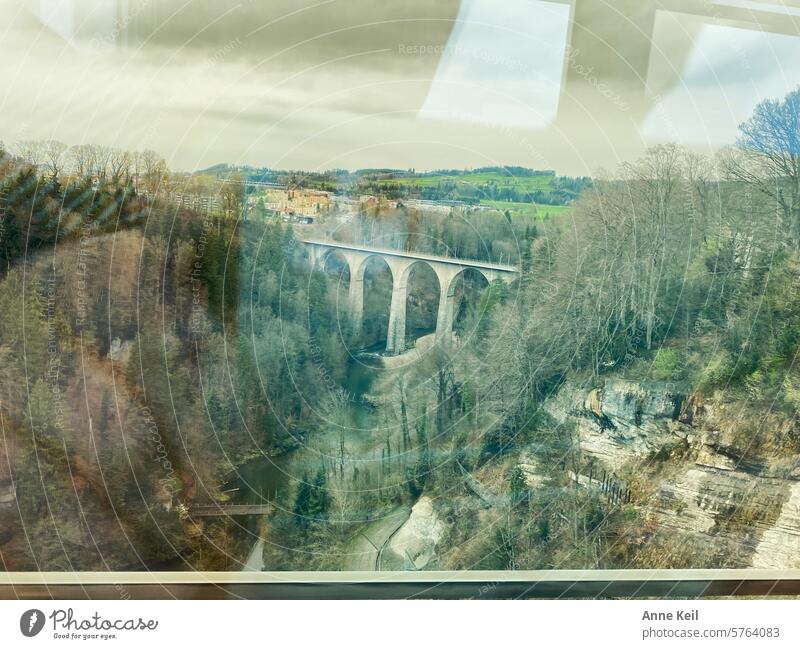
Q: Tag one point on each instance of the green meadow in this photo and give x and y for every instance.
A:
(533, 210)
(520, 183)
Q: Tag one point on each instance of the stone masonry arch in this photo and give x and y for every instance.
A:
(400, 264)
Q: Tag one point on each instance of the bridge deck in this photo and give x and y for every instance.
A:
(464, 263)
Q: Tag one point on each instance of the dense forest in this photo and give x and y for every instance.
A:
(678, 269)
(678, 273)
(149, 352)
(129, 390)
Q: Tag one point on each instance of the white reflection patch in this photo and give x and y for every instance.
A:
(729, 71)
(503, 64)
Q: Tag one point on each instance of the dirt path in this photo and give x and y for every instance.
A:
(371, 540)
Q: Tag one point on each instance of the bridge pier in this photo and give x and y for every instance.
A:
(447, 302)
(396, 336)
(400, 264)
(444, 319)
(356, 297)
(356, 263)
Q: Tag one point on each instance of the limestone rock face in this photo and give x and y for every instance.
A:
(743, 510)
(703, 497)
(780, 545)
(529, 465)
(708, 457)
(413, 547)
(628, 404)
(622, 419)
(743, 515)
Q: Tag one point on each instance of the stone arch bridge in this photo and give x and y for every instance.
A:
(401, 263)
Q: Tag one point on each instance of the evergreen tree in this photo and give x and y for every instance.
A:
(423, 466)
(10, 240)
(302, 502)
(320, 498)
(519, 488)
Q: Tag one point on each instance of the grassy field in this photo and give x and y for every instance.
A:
(521, 183)
(540, 212)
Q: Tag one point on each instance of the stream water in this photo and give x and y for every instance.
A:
(266, 478)
(273, 478)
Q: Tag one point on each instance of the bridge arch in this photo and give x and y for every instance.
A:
(334, 262)
(419, 280)
(336, 265)
(360, 265)
(401, 265)
(372, 288)
(462, 283)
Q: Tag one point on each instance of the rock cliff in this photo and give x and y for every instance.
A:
(413, 546)
(719, 484)
(622, 419)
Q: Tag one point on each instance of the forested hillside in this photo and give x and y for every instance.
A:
(632, 401)
(128, 390)
(629, 400)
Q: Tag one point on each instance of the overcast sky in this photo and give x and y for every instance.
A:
(356, 83)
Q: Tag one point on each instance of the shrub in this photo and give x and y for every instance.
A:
(668, 365)
(719, 371)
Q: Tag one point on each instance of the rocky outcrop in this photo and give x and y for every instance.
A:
(710, 458)
(705, 499)
(622, 419)
(529, 465)
(722, 489)
(413, 546)
(733, 511)
(780, 545)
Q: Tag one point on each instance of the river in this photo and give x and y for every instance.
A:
(271, 478)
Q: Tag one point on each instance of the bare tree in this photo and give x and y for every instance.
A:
(618, 266)
(767, 157)
(54, 156)
(81, 156)
(150, 169)
(653, 184)
(32, 152)
(232, 194)
(101, 160)
(119, 165)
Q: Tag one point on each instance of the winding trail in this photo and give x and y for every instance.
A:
(370, 542)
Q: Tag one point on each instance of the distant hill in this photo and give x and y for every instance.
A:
(498, 185)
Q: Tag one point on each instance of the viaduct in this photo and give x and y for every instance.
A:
(400, 263)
